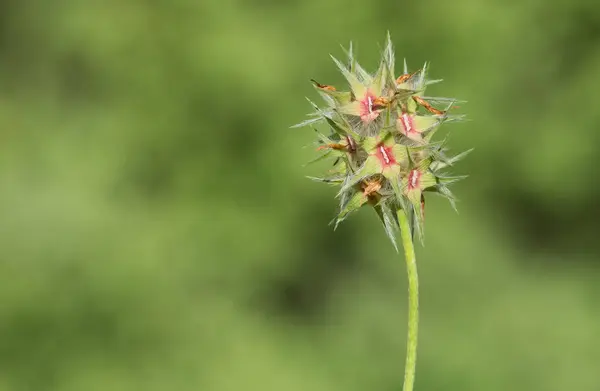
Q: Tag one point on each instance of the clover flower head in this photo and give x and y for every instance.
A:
(379, 137)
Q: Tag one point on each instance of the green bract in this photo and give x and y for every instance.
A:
(380, 141)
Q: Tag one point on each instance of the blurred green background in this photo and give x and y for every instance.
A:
(157, 231)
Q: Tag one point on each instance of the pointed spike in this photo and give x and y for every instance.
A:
(352, 180)
(460, 156)
(354, 203)
(389, 59)
(434, 81)
(317, 159)
(438, 99)
(326, 180)
(351, 60)
(417, 218)
(336, 127)
(446, 180)
(398, 189)
(322, 137)
(306, 122)
(446, 193)
(390, 224)
(355, 84)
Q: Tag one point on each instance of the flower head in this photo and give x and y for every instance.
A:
(380, 139)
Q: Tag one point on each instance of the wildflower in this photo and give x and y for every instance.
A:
(380, 139)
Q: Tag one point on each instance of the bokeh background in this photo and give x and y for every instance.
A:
(157, 231)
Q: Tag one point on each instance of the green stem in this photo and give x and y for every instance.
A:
(413, 302)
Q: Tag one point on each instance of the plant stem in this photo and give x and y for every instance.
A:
(413, 302)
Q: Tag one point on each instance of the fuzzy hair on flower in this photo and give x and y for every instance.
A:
(379, 136)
